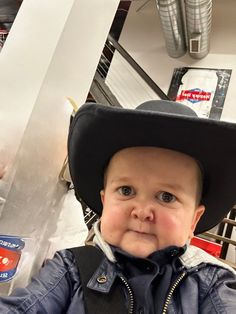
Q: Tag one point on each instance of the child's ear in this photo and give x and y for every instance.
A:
(102, 194)
(199, 211)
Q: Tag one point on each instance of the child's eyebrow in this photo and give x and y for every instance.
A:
(161, 185)
(174, 186)
(120, 179)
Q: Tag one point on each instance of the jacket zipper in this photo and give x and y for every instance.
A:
(131, 296)
(172, 289)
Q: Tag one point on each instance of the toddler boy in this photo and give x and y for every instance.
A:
(155, 175)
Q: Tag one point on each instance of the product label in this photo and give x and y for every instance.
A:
(10, 253)
(194, 95)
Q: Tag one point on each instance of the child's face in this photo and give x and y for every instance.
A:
(149, 200)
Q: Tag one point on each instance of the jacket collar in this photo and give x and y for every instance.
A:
(102, 244)
(104, 277)
(195, 256)
(192, 257)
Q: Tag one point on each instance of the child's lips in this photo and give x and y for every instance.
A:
(142, 233)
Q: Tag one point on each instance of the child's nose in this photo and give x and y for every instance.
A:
(144, 212)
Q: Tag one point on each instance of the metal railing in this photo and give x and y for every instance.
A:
(112, 81)
(137, 68)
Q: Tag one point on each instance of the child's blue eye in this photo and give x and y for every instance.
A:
(166, 197)
(126, 190)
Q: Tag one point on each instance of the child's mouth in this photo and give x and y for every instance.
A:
(143, 234)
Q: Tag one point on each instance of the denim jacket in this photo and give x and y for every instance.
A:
(202, 285)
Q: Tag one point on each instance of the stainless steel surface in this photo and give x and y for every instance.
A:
(31, 195)
(34, 113)
(198, 22)
(192, 20)
(173, 27)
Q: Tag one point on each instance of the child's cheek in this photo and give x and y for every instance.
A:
(169, 221)
(173, 229)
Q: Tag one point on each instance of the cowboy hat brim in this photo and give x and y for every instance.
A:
(97, 132)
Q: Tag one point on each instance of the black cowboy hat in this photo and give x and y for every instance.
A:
(97, 132)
